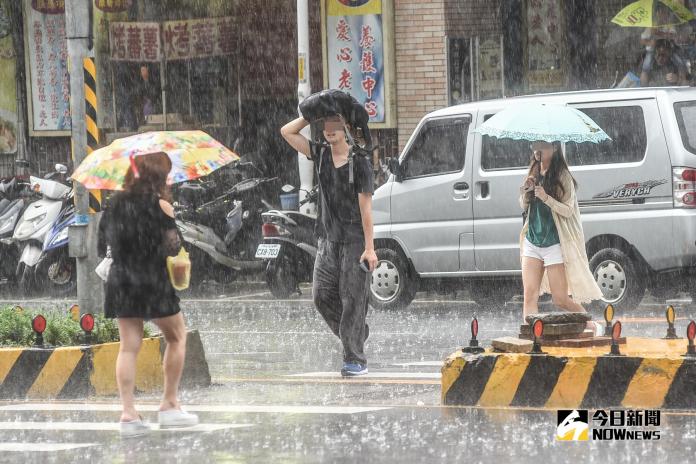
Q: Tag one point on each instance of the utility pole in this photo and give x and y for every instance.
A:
(82, 235)
(304, 89)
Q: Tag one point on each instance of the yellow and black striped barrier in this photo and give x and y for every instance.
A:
(652, 374)
(84, 371)
(90, 73)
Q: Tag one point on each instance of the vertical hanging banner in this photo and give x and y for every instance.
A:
(355, 51)
(8, 88)
(48, 84)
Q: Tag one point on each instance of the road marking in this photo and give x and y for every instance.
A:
(299, 332)
(42, 447)
(256, 300)
(374, 375)
(249, 295)
(110, 427)
(227, 408)
(420, 363)
(335, 381)
(244, 353)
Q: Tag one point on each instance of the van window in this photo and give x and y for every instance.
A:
(497, 154)
(686, 119)
(626, 127)
(439, 148)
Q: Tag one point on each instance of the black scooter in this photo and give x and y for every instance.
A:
(222, 228)
(289, 248)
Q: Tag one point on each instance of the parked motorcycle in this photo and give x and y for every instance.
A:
(36, 222)
(55, 268)
(14, 195)
(223, 232)
(289, 248)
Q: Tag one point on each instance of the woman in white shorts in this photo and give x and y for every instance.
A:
(552, 243)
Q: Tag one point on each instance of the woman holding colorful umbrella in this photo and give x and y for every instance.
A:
(140, 230)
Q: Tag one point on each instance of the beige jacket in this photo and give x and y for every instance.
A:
(566, 215)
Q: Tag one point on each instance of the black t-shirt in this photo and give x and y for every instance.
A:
(339, 218)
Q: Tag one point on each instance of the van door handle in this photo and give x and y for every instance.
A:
(483, 190)
(461, 187)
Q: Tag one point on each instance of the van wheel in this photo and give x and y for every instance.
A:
(492, 294)
(392, 285)
(619, 279)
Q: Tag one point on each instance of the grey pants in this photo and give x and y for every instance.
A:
(340, 294)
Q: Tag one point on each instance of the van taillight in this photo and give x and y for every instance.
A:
(684, 187)
(689, 175)
(269, 230)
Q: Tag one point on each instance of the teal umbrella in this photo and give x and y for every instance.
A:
(540, 121)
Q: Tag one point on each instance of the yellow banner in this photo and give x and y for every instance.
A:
(353, 7)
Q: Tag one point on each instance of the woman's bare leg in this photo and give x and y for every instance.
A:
(131, 334)
(532, 272)
(174, 331)
(559, 291)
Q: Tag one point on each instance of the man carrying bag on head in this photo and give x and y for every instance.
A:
(346, 253)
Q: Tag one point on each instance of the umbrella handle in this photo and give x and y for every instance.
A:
(136, 174)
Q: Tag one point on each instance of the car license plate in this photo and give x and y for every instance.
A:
(268, 251)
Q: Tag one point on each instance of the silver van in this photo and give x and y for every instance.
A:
(449, 216)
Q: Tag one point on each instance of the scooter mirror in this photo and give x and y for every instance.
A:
(61, 168)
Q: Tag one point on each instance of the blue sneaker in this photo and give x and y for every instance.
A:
(353, 370)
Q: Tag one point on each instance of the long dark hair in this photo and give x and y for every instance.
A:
(552, 180)
(152, 171)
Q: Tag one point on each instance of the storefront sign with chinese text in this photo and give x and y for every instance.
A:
(355, 48)
(183, 40)
(47, 59)
(49, 6)
(112, 6)
(134, 41)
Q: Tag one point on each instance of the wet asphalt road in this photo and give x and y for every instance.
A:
(277, 396)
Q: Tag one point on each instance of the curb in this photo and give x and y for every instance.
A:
(579, 379)
(73, 372)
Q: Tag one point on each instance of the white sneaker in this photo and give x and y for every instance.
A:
(176, 418)
(134, 428)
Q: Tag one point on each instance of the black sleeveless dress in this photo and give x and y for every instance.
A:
(141, 236)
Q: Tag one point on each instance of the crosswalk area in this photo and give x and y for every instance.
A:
(47, 424)
(54, 428)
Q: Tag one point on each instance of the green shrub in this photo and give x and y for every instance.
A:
(15, 328)
(61, 330)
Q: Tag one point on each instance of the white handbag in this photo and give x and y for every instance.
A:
(104, 266)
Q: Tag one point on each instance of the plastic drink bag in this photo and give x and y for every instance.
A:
(179, 269)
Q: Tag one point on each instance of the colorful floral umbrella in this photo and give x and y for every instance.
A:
(193, 153)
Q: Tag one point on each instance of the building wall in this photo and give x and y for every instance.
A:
(421, 64)
(421, 28)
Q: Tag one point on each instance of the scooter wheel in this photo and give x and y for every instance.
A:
(281, 277)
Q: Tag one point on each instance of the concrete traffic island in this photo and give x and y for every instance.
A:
(648, 373)
(79, 372)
